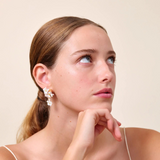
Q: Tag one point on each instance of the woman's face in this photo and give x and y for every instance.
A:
(83, 76)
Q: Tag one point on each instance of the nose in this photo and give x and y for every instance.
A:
(105, 73)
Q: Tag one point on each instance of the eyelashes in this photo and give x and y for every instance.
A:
(88, 59)
(111, 59)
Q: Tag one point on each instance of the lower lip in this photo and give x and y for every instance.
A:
(104, 95)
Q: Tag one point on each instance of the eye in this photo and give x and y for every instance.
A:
(111, 60)
(86, 59)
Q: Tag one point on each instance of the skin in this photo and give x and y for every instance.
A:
(80, 125)
(81, 78)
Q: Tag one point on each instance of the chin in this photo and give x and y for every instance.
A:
(103, 106)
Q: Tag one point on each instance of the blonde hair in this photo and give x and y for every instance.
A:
(45, 47)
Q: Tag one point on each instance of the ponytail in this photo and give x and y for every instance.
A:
(36, 119)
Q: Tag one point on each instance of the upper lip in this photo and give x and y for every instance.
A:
(105, 90)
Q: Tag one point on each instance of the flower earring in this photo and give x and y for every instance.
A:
(48, 93)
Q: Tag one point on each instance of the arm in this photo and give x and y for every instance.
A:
(90, 124)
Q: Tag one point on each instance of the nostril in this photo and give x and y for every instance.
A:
(105, 79)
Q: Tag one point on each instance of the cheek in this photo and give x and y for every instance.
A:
(71, 79)
(61, 79)
(85, 81)
(71, 88)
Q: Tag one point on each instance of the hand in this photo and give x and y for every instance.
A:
(91, 123)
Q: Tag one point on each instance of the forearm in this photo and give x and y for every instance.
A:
(74, 152)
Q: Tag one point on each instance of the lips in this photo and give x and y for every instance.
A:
(104, 93)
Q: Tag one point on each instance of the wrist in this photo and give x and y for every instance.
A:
(75, 151)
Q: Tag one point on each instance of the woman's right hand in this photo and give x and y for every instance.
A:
(90, 124)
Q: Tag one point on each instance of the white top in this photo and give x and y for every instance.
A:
(125, 139)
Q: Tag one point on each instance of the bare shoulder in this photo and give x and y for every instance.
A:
(5, 154)
(144, 142)
(143, 135)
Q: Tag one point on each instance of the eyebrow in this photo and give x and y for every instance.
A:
(112, 52)
(91, 51)
(85, 51)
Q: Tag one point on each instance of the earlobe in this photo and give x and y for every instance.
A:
(40, 74)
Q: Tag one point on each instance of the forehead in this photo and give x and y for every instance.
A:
(87, 37)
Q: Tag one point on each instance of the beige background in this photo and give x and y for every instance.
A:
(134, 29)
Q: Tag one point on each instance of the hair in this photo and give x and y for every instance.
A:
(45, 47)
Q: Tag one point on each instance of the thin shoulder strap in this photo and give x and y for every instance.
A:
(10, 152)
(125, 138)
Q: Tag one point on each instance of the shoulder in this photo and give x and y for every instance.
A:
(143, 135)
(144, 142)
(5, 154)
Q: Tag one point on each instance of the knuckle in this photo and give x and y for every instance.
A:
(107, 111)
(81, 114)
(88, 111)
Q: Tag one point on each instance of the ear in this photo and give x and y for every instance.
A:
(40, 74)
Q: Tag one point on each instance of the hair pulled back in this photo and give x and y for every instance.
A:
(45, 47)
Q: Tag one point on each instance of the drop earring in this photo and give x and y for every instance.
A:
(48, 93)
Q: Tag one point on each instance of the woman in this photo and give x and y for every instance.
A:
(72, 64)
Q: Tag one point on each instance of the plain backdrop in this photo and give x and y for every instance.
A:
(134, 29)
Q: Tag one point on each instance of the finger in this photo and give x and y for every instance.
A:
(116, 131)
(99, 129)
(103, 115)
(118, 134)
(113, 127)
(104, 119)
(119, 123)
(102, 123)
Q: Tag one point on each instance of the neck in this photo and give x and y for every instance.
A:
(60, 128)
